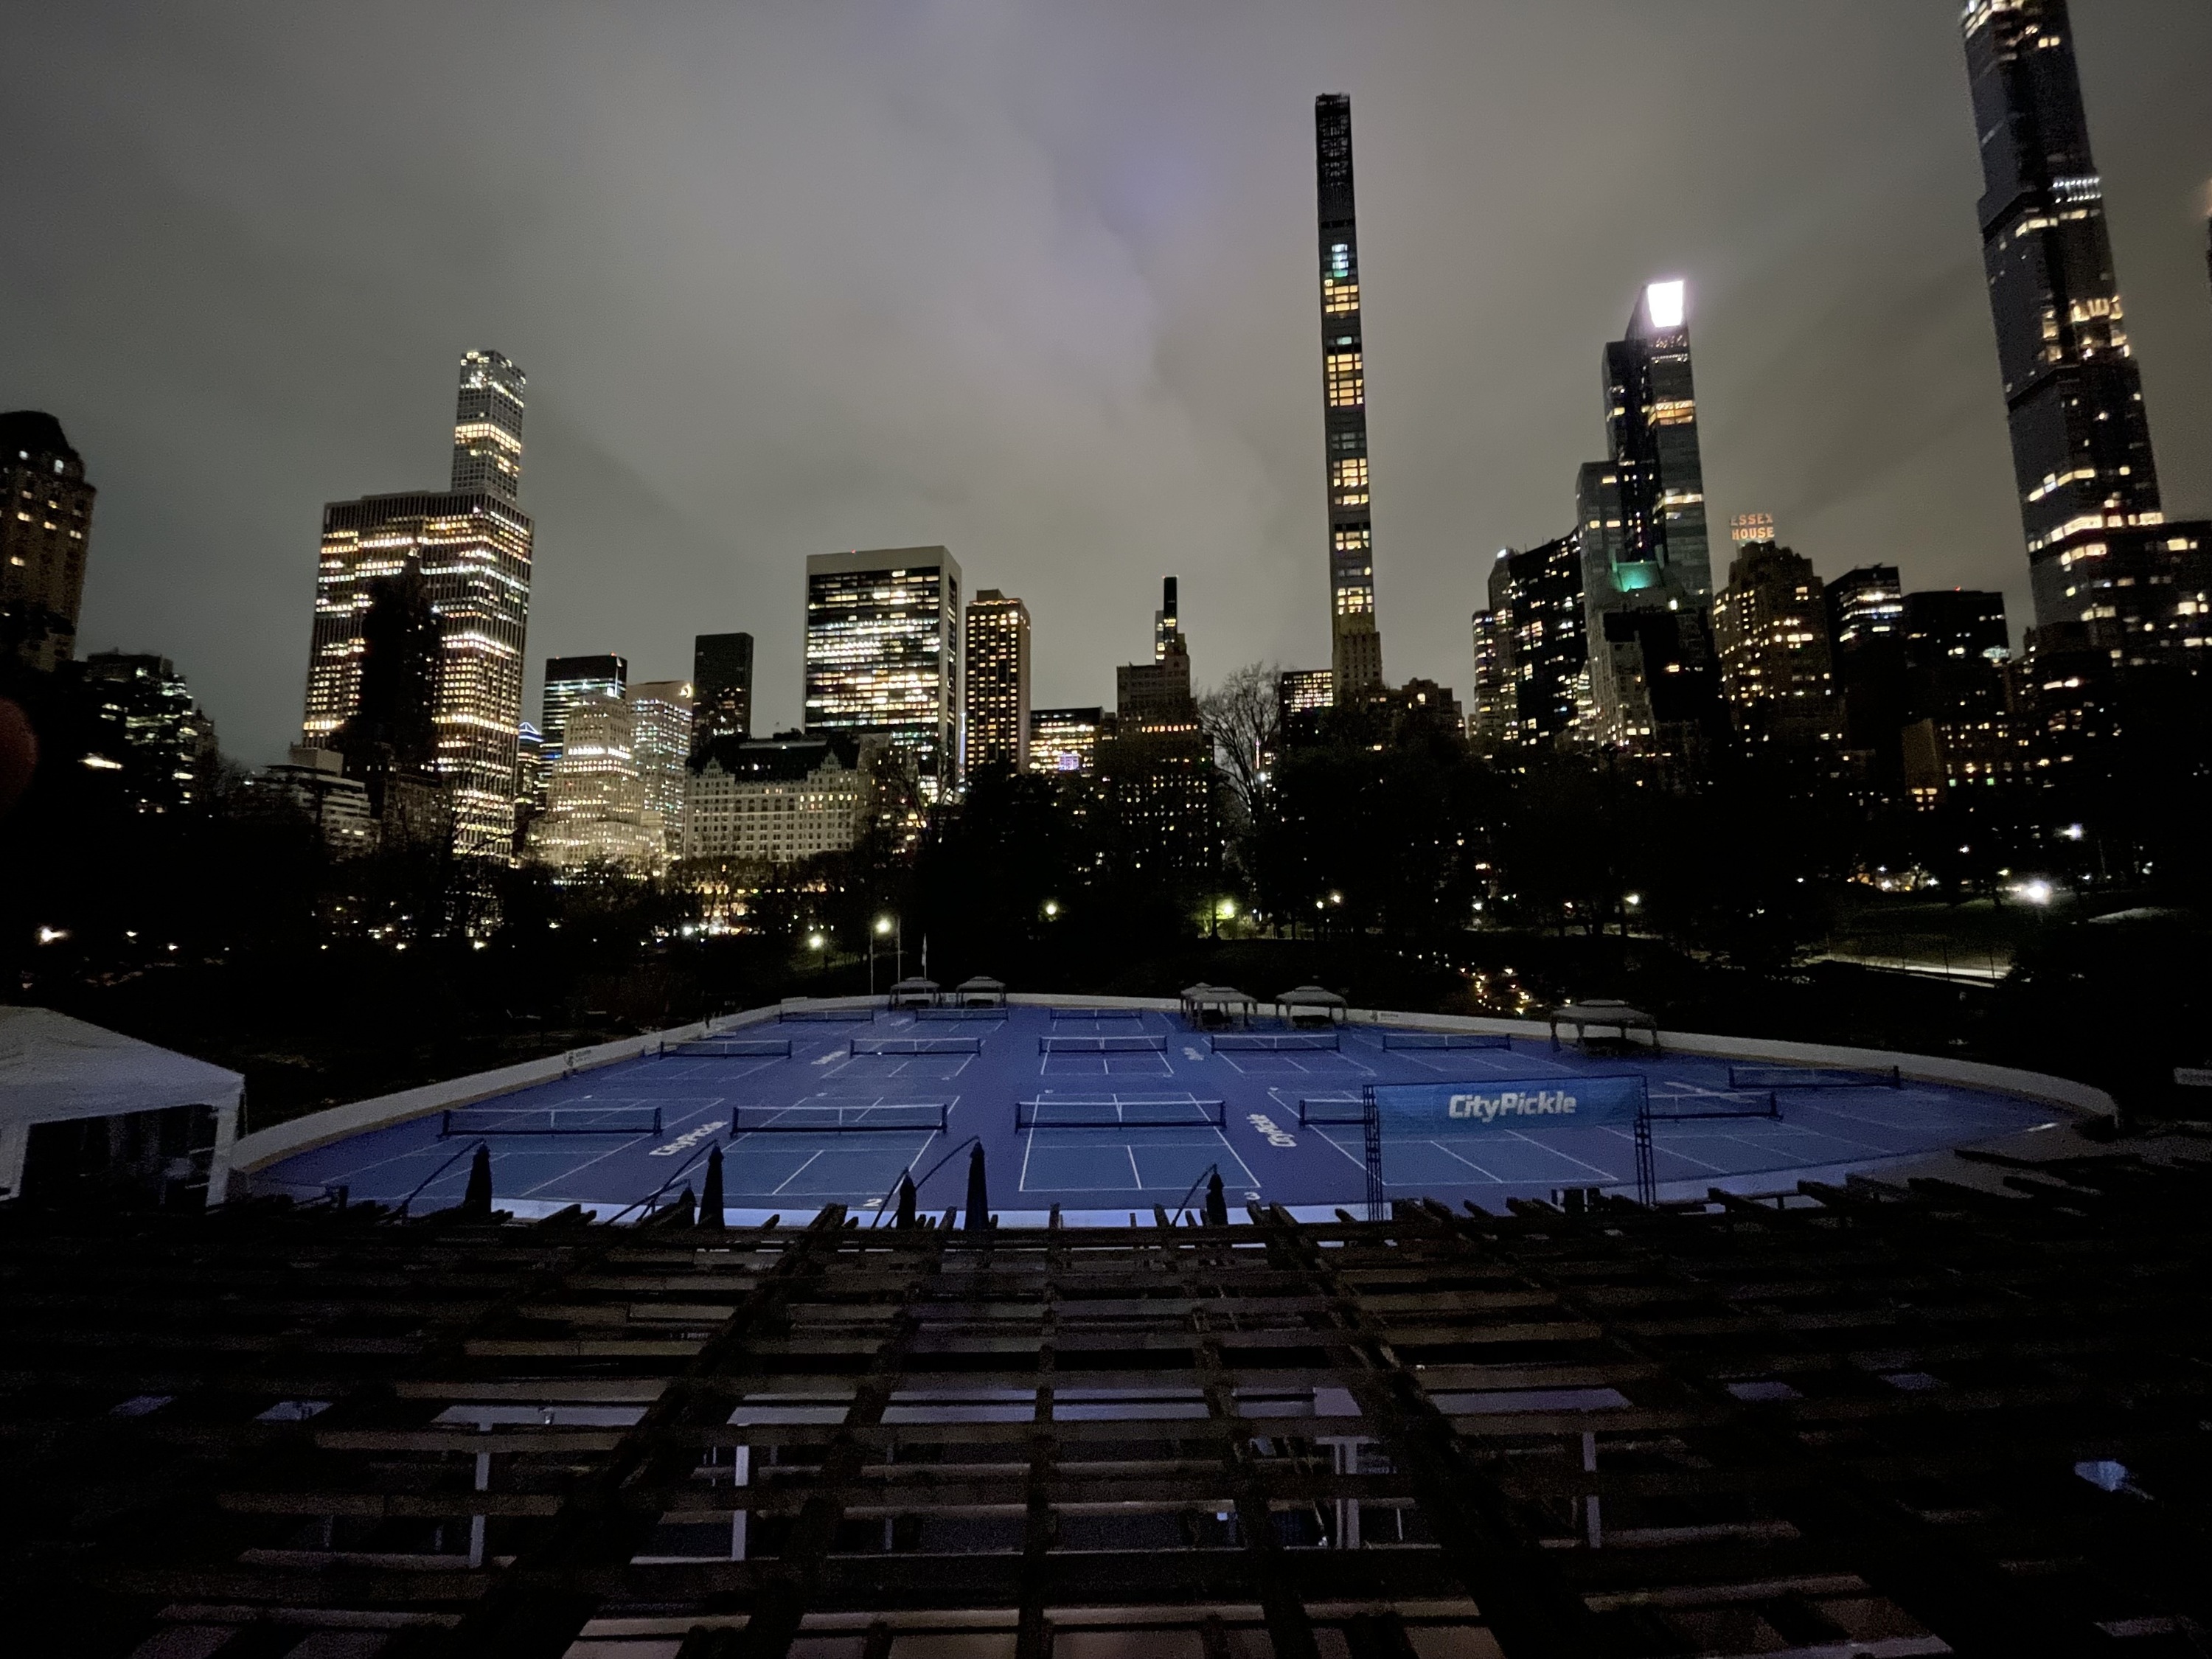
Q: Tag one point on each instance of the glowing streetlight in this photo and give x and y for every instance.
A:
(816, 941)
(52, 935)
(882, 927)
(1051, 908)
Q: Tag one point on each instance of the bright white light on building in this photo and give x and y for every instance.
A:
(2072, 832)
(1665, 302)
(52, 935)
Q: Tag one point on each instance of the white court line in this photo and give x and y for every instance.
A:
(777, 1191)
(1570, 1157)
(1469, 1162)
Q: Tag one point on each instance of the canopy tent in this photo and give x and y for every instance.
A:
(981, 991)
(1604, 1014)
(1310, 1002)
(1217, 1003)
(913, 994)
(57, 1070)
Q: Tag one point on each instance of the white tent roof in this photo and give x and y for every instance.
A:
(53, 1067)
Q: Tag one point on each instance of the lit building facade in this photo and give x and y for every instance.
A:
(883, 654)
(595, 808)
(1770, 627)
(1355, 638)
(998, 664)
(472, 545)
(46, 526)
(1066, 740)
(568, 681)
(662, 715)
(1956, 645)
(1492, 725)
(2099, 551)
(777, 800)
(314, 784)
(1866, 634)
(1541, 646)
(1157, 693)
(722, 687)
(160, 742)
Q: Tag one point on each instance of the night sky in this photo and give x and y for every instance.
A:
(1036, 281)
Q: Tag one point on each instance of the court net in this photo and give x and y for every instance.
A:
(817, 1119)
(953, 1013)
(1088, 1015)
(1737, 1102)
(826, 1016)
(729, 1049)
(1454, 1040)
(1276, 1043)
(1338, 1109)
(1814, 1077)
(1132, 1043)
(941, 1045)
(1118, 1112)
(551, 1121)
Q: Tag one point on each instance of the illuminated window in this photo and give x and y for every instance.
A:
(1347, 481)
(1346, 380)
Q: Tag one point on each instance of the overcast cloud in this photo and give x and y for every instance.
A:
(1033, 281)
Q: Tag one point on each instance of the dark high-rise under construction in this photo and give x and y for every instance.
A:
(1355, 644)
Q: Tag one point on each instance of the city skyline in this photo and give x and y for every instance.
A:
(1774, 307)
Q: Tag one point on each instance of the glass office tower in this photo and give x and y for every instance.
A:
(884, 653)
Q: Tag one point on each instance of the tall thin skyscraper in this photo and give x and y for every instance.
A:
(44, 531)
(473, 545)
(1355, 643)
(2099, 550)
(998, 680)
(661, 712)
(883, 653)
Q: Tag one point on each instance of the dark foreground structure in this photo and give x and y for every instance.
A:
(1867, 1422)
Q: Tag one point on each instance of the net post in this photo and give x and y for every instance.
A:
(1370, 1123)
(1647, 1164)
(656, 1119)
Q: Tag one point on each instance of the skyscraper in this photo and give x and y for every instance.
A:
(1539, 593)
(45, 524)
(883, 653)
(663, 717)
(2099, 550)
(595, 810)
(568, 680)
(472, 544)
(721, 687)
(1647, 575)
(1158, 691)
(151, 732)
(1771, 627)
(998, 680)
(1355, 643)
(1866, 632)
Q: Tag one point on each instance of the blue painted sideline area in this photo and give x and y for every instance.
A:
(1108, 1108)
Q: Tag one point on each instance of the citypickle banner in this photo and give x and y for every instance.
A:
(1552, 1103)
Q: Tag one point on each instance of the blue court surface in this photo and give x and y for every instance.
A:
(1108, 1117)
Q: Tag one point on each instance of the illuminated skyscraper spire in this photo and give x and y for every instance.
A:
(1355, 645)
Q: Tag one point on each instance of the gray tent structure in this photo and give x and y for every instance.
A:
(89, 1114)
(981, 991)
(1312, 1003)
(913, 994)
(1217, 1004)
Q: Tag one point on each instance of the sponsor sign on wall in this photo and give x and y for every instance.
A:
(1552, 1103)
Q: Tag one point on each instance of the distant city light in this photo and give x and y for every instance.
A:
(1225, 909)
(52, 935)
(816, 941)
(1051, 908)
(2037, 891)
(1633, 899)
(1666, 302)
(2072, 832)
(882, 924)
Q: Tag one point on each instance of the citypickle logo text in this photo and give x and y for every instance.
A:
(1488, 1108)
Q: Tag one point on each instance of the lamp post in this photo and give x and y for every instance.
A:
(882, 927)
